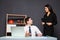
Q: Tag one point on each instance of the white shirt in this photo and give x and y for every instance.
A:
(34, 30)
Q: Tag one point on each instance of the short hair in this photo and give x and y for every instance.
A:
(27, 19)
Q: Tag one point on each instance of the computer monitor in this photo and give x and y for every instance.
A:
(17, 31)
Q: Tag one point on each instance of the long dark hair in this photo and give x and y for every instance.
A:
(49, 7)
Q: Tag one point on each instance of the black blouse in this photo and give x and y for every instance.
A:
(51, 18)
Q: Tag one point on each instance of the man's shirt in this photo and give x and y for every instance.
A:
(34, 30)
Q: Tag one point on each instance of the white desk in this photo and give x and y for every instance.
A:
(27, 38)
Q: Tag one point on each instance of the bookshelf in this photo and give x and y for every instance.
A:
(14, 20)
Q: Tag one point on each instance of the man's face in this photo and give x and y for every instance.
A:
(30, 21)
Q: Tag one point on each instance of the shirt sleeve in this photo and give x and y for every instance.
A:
(26, 29)
(54, 19)
(37, 30)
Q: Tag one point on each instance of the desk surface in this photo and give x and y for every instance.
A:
(27, 38)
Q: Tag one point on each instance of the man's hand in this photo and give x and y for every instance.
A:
(27, 34)
(39, 35)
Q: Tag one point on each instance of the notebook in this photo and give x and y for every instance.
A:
(17, 31)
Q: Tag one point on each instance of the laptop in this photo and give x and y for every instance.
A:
(17, 31)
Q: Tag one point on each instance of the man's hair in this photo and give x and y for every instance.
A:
(26, 19)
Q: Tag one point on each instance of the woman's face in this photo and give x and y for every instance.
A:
(46, 9)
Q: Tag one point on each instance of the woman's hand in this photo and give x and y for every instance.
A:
(49, 23)
(43, 23)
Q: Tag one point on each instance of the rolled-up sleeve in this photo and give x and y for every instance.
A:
(37, 30)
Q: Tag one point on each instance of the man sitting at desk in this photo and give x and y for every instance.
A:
(31, 30)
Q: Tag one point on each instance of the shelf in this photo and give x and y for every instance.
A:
(11, 19)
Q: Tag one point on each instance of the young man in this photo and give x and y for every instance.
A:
(31, 30)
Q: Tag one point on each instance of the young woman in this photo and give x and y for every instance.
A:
(49, 20)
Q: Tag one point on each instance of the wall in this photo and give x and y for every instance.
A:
(32, 8)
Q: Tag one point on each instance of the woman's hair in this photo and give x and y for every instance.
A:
(49, 7)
